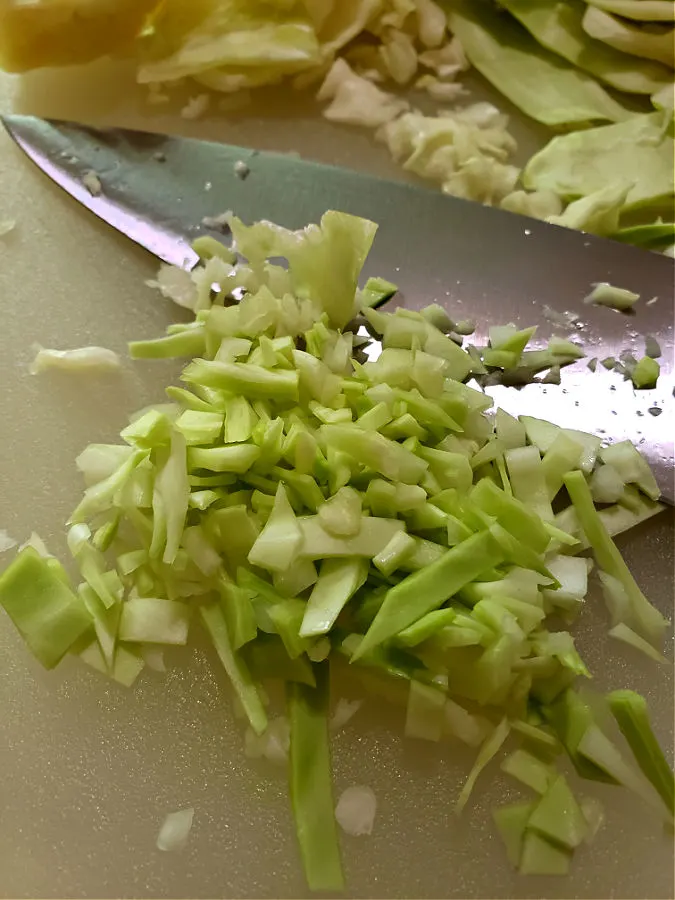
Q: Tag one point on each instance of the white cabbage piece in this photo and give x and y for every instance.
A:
(432, 23)
(196, 107)
(344, 712)
(273, 744)
(175, 284)
(399, 56)
(448, 61)
(355, 810)
(395, 14)
(357, 101)
(340, 21)
(441, 91)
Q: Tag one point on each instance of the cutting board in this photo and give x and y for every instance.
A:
(88, 770)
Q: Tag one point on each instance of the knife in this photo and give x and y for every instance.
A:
(480, 263)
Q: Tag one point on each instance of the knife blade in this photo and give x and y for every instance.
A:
(480, 263)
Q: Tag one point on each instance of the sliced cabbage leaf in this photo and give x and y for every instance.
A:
(629, 37)
(536, 81)
(582, 162)
(641, 10)
(652, 235)
(597, 213)
(558, 27)
(247, 38)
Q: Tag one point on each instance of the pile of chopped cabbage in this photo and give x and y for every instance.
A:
(600, 69)
(312, 504)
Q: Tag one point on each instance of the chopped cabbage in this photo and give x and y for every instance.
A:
(464, 152)
(312, 511)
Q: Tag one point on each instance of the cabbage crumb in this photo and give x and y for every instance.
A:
(92, 183)
(196, 107)
(6, 542)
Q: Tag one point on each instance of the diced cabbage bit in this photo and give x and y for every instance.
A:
(309, 509)
(604, 294)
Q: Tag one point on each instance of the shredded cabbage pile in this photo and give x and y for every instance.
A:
(311, 500)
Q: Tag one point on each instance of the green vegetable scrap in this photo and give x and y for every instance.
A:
(35, 593)
(311, 510)
(646, 373)
(376, 292)
(652, 236)
(310, 783)
(630, 711)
